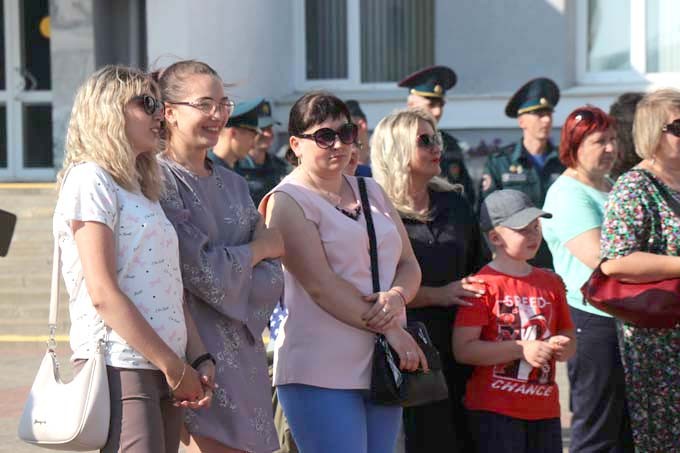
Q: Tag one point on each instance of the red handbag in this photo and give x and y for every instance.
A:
(654, 304)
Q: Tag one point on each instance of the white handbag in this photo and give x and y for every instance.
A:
(67, 415)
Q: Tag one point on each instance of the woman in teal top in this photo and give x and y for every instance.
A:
(576, 199)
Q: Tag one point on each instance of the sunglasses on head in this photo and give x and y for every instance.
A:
(580, 115)
(150, 104)
(429, 141)
(325, 137)
(672, 128)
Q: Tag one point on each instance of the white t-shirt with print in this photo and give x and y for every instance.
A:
(147, 266)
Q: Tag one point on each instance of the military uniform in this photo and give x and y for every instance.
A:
(432, 83)
(513, 167)
(453, 166)
(244, 116)
(262, 178)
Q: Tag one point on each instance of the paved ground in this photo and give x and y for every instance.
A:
(19, 362)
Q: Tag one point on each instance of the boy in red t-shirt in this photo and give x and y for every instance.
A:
(513, 333)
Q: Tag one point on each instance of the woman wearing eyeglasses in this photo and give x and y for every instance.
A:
(120, 262)
(576, 199)
(230, 268)
(405, 155)
(641, 239)
(324, 349)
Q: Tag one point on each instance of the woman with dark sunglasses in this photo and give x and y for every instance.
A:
(120, 262)
(230, 267)
(576, 200)
(405, 154)
(324, 349)
(641, 240)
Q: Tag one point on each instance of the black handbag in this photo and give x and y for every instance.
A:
(389, 385)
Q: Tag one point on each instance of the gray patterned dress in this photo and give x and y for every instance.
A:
(229, 300)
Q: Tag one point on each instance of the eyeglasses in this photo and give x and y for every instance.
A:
(430, 141)
(209, 106)
(325, 137)
(672, 128)
(150, 104)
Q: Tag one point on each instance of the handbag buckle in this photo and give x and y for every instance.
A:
(51, 339)
(101, 344)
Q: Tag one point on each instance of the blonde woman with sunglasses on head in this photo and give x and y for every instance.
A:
(230, 267)
(121, 265)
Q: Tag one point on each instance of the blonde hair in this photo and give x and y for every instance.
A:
(393, 145)
(651, 115)
(96, 130)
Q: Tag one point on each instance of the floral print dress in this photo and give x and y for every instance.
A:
(637, 218)
(230, 300)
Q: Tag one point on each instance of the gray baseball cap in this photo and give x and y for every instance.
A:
(509, 208)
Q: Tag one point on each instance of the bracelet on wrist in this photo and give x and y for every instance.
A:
(202, 358)
(181, 378)
(401, 294)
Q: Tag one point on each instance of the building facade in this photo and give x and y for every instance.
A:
(594, 49)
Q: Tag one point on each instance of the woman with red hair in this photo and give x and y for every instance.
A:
(576, 200)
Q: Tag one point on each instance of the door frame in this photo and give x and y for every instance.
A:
(15, 98)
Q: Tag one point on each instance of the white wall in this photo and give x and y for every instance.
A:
(494, 46)
(249, 42)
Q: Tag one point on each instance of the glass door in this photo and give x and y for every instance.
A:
(25, 91)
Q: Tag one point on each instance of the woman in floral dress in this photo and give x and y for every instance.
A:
(230, 270)
(641, 238)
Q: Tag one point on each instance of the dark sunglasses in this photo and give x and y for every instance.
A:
(672, 128)
(150, 104)
(580, 115)
(325, 137)
(429, 141)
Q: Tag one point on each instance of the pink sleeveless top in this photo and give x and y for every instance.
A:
(313, 347)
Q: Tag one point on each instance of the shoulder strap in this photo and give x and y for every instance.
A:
(55, 284)
(672, 202)
(373, 245)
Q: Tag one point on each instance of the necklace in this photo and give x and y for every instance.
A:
(335, 200)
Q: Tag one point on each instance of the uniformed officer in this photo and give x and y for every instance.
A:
(259, 167)
(238, 135)
(363, 152)
(427, 89)
(532, 164)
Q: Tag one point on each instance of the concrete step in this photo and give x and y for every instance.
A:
(25, 272)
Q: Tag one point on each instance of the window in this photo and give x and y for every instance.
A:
(25, 91)
(628, 40)
(354, 43)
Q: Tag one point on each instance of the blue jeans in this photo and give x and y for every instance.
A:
(338, 421)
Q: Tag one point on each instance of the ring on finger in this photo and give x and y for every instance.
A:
(384, 309)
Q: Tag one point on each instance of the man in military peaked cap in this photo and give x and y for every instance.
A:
(238, 136)
(427, 89)
(259, 167)
(532, 164)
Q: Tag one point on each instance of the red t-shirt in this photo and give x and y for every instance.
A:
(532, 307)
